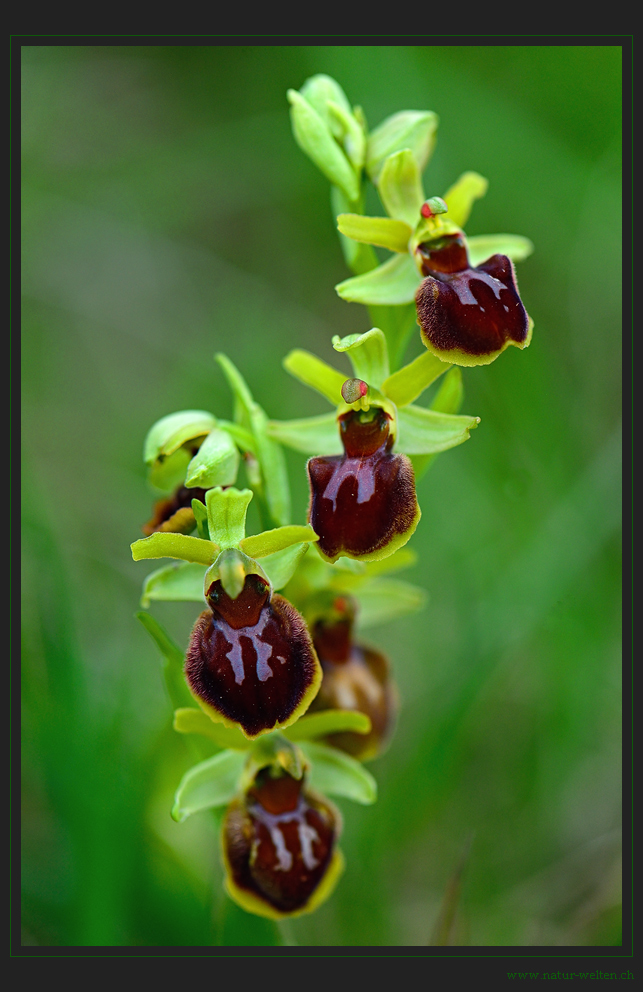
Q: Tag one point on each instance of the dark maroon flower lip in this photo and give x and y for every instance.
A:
(362, 503)
(250, 661)
(468, 315)
(279, 840)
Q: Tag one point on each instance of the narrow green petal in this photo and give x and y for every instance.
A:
(368, 354)
(216, 463)
(227, 510)
(359, 257)
(271, 541)
(328, 722)
(315, 139)
(400, 187)
(315, 373)
(394, 282)
(280, 566)
(214, 782)
(382, 600)
(183, 546)
(178, 583)
(514, 246)
(409, 382)
(201, 516)
(413, 129)
(423, 432)
(460, 197)
(170, 432)
(334, 773)
(383, 231)
(311, 435)
(188, 720)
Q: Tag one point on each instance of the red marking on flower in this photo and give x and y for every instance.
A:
(426, 211)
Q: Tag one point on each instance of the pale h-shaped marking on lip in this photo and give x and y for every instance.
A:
(263, 650)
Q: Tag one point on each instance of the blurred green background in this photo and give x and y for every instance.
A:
(168, 214)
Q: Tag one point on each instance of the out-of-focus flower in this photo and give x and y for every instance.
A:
(280, 847)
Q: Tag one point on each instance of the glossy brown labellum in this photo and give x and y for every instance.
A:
(472, 310)
(251, 659)
(278, 841)
(364, 499)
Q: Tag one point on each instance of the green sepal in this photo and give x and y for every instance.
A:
(368, 354)
(271, 541)
(382, 600)
(176, 583)
(214, 782)
(216, 463)
(315, 139)
(334, 773)
(449, 396)
(351, 135)
(382, 231)
(410, 381)
(163, 545)
(241, 435)
(227, 510)
(400, 187)
(200, 512)
(172, 660)
(280, 566)
(412, 129)
(328, 722)
(171, 432)
(168, 473)
(188, 720)
(311, 435)
(395, 281)
(424, 432)
(312, 371)
(399, 324)
(320, 90)
(244, 402)
(483, 246)
(460, 197)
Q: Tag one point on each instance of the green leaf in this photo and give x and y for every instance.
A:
(183, 546)
(423, 432)
(216, 463)
(394, 282)
(460, 197)
(483, 246)
(227, 510)
(312, 435)
(328, 722)
(172, 660)
(413, 129)
(188, 720)
(382, 600)
(281, 565)
(368, 355)
(336, 774)
(177, 583)
(271, 541)
(312, 371)
(409, 382)
(314, 137)
(169, 433)
(400, 187)
(383, 231)
(214, 782)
